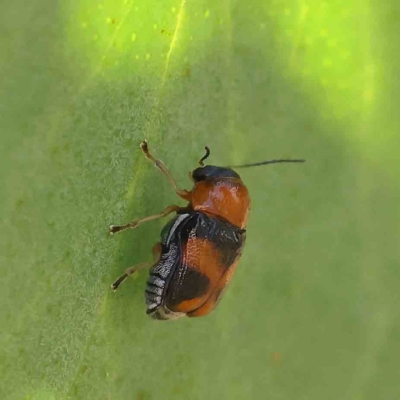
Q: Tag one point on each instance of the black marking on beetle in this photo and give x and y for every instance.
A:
(226, 238)
(186, 284)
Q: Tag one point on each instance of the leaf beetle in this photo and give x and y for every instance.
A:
(201, 246)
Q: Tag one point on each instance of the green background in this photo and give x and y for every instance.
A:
(313, 310)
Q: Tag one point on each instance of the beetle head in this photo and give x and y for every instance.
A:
(210, 172)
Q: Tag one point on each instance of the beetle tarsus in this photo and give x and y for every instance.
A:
(115, 285)
(137, 222)
(143, 145)
(129, 272)
(115, 228)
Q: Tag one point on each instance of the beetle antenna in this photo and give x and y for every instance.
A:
(208, 152)
(264, 163)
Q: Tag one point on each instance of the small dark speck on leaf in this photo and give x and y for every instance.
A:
(83, 369)
(75, 389)
(164, 32)
(176, 390)
(19, 203)
(54, 150)
(143, 395)
(276, 357)
(66, 255)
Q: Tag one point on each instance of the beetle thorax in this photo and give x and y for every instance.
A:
(224, 197)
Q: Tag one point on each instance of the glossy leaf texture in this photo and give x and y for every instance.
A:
(313, 310)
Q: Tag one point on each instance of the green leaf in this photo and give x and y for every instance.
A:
(312, 312)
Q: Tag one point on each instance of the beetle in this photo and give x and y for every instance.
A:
(200, 247)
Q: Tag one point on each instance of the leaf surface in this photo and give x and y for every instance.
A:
(312, 312)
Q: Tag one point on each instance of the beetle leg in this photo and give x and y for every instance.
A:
(156, 250)
(184, 194)
(129, 272)
(136, 222)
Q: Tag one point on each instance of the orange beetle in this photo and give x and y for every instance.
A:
(200, 248)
